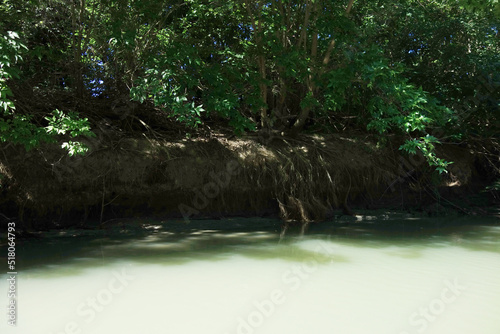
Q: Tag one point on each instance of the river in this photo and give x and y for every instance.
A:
(385, 273)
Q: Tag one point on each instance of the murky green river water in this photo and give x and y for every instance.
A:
(376, 275)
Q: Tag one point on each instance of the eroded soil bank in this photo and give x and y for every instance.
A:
(308, 178)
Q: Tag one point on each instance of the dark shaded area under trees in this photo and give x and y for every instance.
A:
(287, 81)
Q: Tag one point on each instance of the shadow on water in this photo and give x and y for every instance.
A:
(174, 242)
(474, 233)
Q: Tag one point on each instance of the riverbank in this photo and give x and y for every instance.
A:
(303, 179)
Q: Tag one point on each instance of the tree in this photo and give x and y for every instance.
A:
(403, 67)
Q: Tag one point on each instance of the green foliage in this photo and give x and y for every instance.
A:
(13, 127)
(71, 124)
(192, 77)
(482, 6)
(10, 53)
(399, 105)
(169, 97)
(393, 103)
(20, 129)
(494, 187)
(426, 146)
(452, 53)
(338, 84)
(423, 70)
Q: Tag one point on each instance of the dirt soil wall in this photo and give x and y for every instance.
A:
(299, 179)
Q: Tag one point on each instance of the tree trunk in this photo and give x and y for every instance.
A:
(77, 21)
(311, 89)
